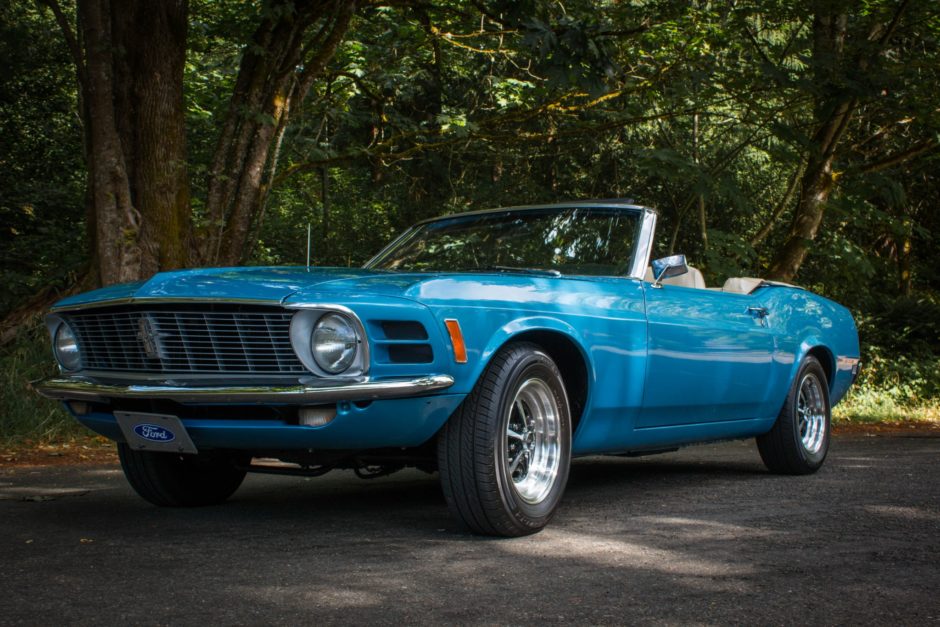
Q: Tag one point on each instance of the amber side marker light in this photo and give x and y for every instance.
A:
(456, 338)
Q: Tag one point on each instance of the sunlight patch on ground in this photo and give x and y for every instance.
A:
(910, 513)
(606, 551)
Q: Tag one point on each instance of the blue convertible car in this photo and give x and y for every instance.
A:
(491, 346)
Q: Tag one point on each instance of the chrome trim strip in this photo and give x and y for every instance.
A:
(379, 255)
(144, 300)
(574, 204)
(76, 388)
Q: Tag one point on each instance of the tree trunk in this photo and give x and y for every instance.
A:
(818, 182)
(832, 113)
(129, 59)
(270, 81)
(152, 126)
(117, 222)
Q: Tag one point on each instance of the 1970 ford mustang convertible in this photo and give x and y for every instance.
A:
(491, 346)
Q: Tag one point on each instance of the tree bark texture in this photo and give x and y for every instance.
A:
(833, 114)
(151, 123)
(288, 51)
(117, 221)
(130, 59)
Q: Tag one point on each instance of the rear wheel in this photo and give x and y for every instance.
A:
(173, 480)
(799, 440)
(504, 454)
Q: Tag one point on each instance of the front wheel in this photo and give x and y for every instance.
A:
(173, 480)
(799, 440)
(504, 454)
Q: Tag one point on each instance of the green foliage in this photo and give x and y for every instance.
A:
(41, 168)
(23, 413)
(448, 106)
(900, 378)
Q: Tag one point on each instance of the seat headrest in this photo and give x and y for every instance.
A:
(741, 284)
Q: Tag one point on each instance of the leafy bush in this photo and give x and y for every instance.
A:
(23, 413)
(900, 377)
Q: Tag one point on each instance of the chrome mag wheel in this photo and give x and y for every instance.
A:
(811, 413)
(533, 444)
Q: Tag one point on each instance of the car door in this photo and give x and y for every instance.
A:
(710, 357)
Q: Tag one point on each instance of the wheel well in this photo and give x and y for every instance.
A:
(824, 356)
(566, 355)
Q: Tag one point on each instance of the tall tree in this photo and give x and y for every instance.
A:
(129, 60)
(841, 58)
(288, 51)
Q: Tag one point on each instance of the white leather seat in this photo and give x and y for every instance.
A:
(693, 278)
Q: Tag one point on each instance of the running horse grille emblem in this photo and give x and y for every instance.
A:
(148, 337)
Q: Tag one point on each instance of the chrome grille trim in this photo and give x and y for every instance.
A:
(213, 339)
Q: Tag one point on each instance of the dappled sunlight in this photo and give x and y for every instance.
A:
(907, 513)
(566, 544)
(312, 595)
(698, 529)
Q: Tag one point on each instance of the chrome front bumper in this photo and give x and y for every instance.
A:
(87, 389)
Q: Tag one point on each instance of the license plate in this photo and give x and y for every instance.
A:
(154, 432)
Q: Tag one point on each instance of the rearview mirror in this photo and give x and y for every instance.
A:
(668, 267)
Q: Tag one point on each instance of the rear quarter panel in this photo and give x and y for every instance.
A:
(804, 321)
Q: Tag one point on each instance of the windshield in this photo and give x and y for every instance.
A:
(582, 240)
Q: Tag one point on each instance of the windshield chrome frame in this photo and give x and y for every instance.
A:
(643, 245)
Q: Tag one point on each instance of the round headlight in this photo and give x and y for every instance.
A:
(66, 348)
(334, 343)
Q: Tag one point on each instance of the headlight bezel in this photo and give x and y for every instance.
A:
(67, 363)
(302, 328)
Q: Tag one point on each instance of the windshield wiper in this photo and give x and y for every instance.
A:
(537, 271)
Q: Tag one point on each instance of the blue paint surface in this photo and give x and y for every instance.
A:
(665, 366)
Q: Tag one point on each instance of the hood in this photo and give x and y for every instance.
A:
(274, 284)
(298, 284)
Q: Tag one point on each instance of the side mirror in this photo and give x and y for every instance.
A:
(668, 267)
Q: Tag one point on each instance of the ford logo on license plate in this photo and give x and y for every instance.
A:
(154, 433)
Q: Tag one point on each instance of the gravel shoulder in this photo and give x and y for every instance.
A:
(703, 535)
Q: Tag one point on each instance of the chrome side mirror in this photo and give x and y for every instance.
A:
(668, 267)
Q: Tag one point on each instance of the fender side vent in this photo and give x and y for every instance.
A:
(410, 353)
(403, 330)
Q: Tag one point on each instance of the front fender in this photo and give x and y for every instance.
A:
(517, 327)
(486, 331)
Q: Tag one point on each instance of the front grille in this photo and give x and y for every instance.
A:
(220, 339)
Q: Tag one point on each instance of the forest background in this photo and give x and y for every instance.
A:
(790, 139)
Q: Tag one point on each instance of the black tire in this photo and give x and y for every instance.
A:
(172, 480)
(784, 448)
(474, 446)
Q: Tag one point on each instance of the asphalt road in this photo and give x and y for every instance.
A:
(701, 536)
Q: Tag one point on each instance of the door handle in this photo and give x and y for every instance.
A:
(760, 312)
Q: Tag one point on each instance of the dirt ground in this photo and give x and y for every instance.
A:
(701, 536)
